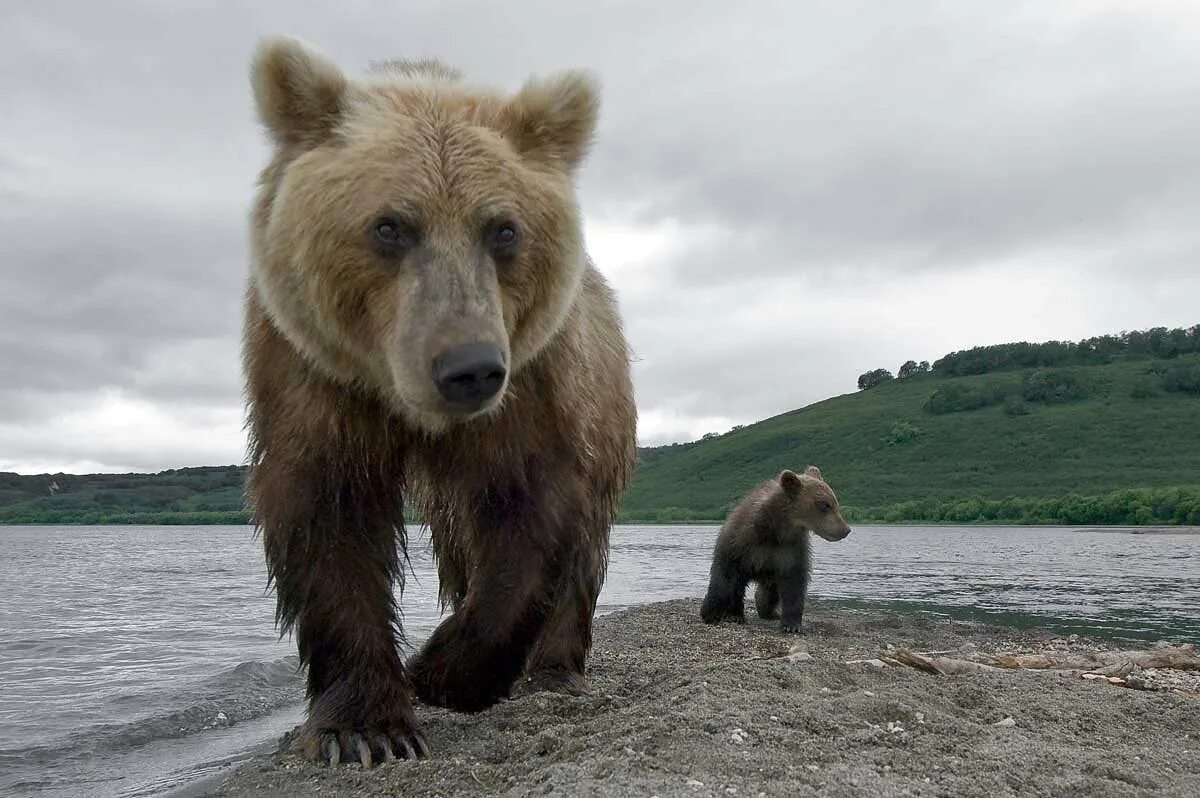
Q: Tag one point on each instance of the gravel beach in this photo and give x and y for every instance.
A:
(683, 709)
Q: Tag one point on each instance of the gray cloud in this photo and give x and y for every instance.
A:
(839, 186)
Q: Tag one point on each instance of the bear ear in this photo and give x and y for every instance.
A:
(813, 471)
(299, 93)
(790, 480)
(552, 120)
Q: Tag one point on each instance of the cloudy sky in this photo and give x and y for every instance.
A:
(785, 194)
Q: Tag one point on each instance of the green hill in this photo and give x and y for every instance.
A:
(1105, 430)
(883, 447)
(205, 495)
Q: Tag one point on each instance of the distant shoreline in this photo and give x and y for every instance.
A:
(1130, 529)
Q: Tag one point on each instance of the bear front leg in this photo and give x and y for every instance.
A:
(726, 596)
(331, 553)
(766, 600)
(473, 658)
(793, 591)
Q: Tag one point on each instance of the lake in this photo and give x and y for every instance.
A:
(138, 659)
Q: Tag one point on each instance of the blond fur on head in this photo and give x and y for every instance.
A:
(413, 142)
(299, 93)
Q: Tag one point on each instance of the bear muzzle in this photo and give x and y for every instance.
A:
(833, 536)
(468, 376)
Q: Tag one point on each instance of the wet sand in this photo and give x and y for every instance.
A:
(683, 709)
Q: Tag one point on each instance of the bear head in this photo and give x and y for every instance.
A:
(416, 236)
(812, 504)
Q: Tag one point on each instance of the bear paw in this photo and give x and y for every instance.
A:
(553, 680)
(366, 720)
(447, 674)
(370, 746)
(790, 627)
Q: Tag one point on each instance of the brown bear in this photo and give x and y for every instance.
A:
(423, 328)
(765, 540)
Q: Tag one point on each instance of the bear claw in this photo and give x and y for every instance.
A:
(371, 748)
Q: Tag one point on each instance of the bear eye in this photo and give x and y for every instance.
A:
(391, 236)
(502, 239)
(824, 506)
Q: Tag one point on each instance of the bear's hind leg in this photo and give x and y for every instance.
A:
(559, 658)
(520, 548)
(726, 596)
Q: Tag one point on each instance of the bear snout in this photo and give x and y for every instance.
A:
(835, 535)
(468, 375)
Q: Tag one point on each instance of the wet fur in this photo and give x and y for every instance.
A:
(519, 499)
(766, 540)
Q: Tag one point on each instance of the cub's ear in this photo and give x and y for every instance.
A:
(790, 480)
(813, 471)
(552, 120)
(299, 93)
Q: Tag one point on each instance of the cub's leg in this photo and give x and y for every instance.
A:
(726, 595)
(766, 599)
(793, 591)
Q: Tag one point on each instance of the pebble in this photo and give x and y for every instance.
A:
(693, 783)
(813, 768)
(774, 717)
(1006, 723)
(800, 656)
(868, 693)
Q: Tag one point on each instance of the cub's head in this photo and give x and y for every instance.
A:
(415, 235)
(811, 503)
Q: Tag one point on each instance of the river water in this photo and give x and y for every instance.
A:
(136, 660)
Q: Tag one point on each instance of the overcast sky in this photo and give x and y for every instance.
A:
(784, 194)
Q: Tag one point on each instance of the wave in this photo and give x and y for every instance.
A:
(244, 692)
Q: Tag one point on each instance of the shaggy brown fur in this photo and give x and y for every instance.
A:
(375, 254)
(765, 540)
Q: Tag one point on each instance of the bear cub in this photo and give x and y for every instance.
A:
(765, 540)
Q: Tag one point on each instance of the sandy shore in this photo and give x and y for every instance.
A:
(683, 709)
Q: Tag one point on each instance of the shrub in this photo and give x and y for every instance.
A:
(1015, 406)
(874, 378)
(1053, 386)
(1184, 378)
(903, 432)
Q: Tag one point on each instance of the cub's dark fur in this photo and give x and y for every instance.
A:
(765, 540)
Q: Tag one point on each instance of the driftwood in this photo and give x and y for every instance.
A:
(1113, 667)
(1106, 663)
(944, 666)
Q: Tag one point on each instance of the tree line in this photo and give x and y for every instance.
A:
(1131, 507)
(1157, 342)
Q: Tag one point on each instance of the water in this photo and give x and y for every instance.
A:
(134, 660)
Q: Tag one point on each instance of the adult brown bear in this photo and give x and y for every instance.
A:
(423, 324)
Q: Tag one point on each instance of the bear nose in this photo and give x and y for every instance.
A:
(469, 374)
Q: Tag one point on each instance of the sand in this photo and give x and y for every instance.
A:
(683, 709)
